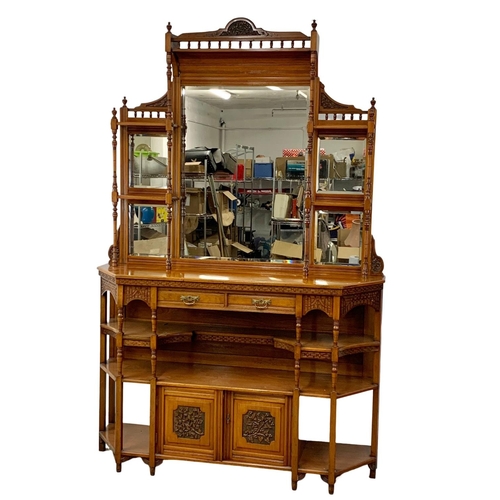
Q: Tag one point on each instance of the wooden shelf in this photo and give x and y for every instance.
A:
(347, 344)
(314, 457)
(141, 329)
(237, 378)
(135, 439)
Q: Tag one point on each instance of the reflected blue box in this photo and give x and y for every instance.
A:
(263, 170)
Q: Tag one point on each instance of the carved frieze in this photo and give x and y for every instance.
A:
(321, 302)
(357, 350)
(369, 296)
(137, 293)
(317, 355)
(211, 337)
(258, 427)
(225, 287)
(189, 422)
(108, 284)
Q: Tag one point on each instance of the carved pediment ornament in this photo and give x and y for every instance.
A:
(156, 104)
(331, 105)
(241, 26)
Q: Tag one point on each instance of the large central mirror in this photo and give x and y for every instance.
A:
(244, 172)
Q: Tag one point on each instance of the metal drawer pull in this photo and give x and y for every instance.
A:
(261, 303)
(189, 300)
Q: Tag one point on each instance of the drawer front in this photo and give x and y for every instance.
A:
(284, 304)
(190, 298)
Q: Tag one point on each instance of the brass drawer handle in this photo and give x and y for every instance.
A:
(261, 303)
(189, 300)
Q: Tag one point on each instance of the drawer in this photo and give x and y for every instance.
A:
(284, 304)
(190, 298)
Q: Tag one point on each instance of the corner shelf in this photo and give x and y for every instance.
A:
(314, 457)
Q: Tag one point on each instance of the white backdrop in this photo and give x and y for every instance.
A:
(432, 68)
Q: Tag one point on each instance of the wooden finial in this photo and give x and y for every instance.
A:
(169, 27)
(314, 25)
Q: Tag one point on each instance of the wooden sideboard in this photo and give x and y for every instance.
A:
(229, 344)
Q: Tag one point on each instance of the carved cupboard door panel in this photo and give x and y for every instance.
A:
(257, 428)
(191, 423)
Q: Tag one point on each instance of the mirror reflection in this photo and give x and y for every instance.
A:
(338, 237)
(341, 164)
(148, 230)
(147, 161)
(242, 193)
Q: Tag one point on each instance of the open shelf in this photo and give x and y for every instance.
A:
(323, 344)
(135, 439)
(142, 329)
(237, 378)
(314, 457)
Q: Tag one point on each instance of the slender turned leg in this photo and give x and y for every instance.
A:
(373, 469)
(103, 354)
(152, 426)
(331, 486)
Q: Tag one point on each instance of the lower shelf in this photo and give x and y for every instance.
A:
(135, 439)
(313, 457)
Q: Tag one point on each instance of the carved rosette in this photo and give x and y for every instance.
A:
(189, 422)
(258, 427)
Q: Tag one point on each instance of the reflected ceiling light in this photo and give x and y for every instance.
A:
(272, 87)
(321, 282)
(223, 94)
(302, 94)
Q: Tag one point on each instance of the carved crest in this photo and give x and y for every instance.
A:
(241, 26)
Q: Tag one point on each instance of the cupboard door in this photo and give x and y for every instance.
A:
(190, 423)
(258, 429)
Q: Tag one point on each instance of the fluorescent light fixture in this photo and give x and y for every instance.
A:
(303, 94)
(272, 87)
(224, 94)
